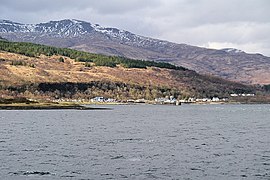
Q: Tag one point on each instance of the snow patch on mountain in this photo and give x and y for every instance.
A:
(123, 35)
(232, 50)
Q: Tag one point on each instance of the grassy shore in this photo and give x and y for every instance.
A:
(46, 106)
(25, 104)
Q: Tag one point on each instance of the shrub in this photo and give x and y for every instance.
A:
(61, 59)
(87, 65)
(18, 63)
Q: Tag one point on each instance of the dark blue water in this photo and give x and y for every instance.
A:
(137, 142)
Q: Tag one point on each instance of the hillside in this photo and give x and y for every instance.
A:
(227, 63)
(73, 75)
(2, 39)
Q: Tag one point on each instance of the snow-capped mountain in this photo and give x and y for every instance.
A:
(229, 63)
(63, 28)
(70, 28)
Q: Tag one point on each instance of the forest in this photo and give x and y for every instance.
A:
(69, 90)
(35, 50)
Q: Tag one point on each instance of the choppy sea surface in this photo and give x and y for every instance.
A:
(137, 142)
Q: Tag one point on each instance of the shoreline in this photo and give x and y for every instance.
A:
(48, 107)
(85, 106)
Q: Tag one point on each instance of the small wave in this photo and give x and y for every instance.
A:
(118, 157)
(196, 169)
(67, 176)
(70, 174)
(262, 175)
(69, 156)
(48, 163)
(28, 150)
(107, 174)
(33, 173)
(123, 140)
(129, 139)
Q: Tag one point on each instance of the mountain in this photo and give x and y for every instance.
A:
(3, 39)
(229, 63)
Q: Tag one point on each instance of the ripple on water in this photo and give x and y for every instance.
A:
(32, 173)
(118, 157)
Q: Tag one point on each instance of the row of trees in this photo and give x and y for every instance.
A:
(35, 50)
(117, 90)
(21, 63)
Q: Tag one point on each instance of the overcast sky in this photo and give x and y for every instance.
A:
(242, 24)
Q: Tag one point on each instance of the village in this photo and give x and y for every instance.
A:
(168, 100)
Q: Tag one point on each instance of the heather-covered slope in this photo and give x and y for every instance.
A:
(25, 73)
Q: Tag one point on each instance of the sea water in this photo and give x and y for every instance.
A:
(137, 142)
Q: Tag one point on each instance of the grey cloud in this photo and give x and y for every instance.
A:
(194, 13)
(120, 6)
(100, 6)
(210, 23)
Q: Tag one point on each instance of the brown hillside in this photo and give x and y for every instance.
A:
(50, 69)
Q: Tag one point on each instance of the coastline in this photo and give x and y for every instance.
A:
(87, 106)
(48, 106)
